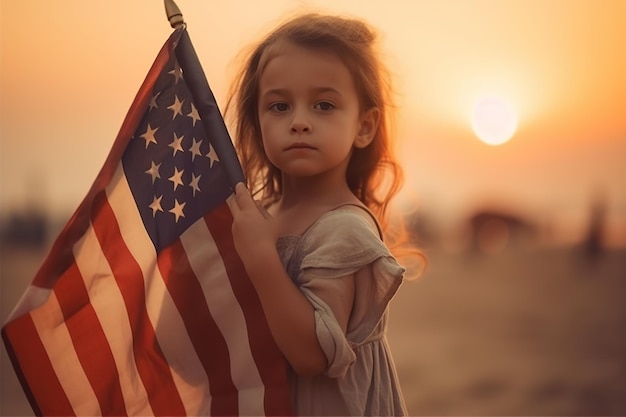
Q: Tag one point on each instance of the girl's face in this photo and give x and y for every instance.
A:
(308, 111)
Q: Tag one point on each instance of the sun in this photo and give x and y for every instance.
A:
(494, 120)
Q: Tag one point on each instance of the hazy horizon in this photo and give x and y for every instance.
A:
(70, 71)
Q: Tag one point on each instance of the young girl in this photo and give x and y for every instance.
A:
(311, 125)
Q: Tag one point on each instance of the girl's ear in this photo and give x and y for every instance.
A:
(367, 129)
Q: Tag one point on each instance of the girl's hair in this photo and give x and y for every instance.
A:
(373, 174)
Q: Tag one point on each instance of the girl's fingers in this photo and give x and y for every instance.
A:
(242, 201)
(243, 197)
(239, 187)
(235, 200)
(232, 205)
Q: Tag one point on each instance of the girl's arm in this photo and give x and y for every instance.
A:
(289, 314)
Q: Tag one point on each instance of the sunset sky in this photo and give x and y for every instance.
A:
(69, 71)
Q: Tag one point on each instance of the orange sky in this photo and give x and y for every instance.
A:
(71, 68)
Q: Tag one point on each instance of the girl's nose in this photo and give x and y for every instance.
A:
(300, 123)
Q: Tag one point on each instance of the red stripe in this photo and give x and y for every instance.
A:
(89, 341)
(267, 356)
(37, 376)
(204, 333)
(151, 364)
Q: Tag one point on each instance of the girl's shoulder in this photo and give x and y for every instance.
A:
(340, 241)
(346, 236)
(344, 240)
(344, 219)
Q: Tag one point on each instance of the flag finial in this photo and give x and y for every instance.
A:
(173, 14)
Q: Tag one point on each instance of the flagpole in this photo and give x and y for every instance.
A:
(174, 14)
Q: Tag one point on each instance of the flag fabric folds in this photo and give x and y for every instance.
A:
(142, 306)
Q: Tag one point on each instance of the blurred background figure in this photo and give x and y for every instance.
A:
(593, 244)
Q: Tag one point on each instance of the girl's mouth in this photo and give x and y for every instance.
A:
(300, 145)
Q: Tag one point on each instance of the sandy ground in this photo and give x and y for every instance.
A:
(524, 332)
(535, 332)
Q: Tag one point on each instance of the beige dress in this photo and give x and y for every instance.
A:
(360, 378)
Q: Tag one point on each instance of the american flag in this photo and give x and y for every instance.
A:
(142, 306)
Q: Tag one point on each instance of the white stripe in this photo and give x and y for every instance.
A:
(188, 373)
(55, 337)
(32, 298)
(108, 303)
(224, 307)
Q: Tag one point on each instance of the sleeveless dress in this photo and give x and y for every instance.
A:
(360, 378)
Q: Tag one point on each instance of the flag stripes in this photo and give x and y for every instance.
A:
(57, 340)
(217, 288)
(206, 337)
(259, 334)
(111, 317)
(94, 354)
(41, 384)
(152, 367)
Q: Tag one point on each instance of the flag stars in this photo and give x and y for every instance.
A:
(194, 114)
(177, 144)
(153, 103)
(177, 107)
(177, 210)
(177, 178)
(154, 171)
(148, 136)
(195, 149)
(156, 205)
(212, 156)
(194, 183)
(176, 72)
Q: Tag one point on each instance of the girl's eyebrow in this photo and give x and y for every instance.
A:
(286, 92)
(275, 91)
(326, 90)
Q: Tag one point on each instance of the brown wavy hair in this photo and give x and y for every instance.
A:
(373, 174)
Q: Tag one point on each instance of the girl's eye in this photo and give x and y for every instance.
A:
(324, 106)
(279, 107)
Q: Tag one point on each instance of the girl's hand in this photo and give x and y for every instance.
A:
(254, 230)
(289, 314)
